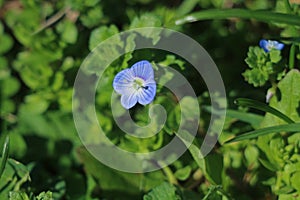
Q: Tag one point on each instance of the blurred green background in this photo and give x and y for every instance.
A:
(42, 45)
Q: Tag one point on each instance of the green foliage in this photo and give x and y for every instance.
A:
(163, 191)
(263, 66)
(281, 150)
(14, 175)
(24, 196)
(118, 184)
(4, 155)
(43, 44)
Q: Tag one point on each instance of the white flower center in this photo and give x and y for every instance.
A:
(138, 83)
(271, 45)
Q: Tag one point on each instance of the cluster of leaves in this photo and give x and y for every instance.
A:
(281, 150)
(43, 43)
(263, 66)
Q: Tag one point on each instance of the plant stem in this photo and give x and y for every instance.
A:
(292, 56)
(172, 179)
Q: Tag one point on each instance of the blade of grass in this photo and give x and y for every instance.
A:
(263, 107)
(259, 15)
(274, 129)
(250, 118)
(4, 156)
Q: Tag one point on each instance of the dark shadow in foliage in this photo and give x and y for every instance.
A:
(54, 168)
(278, 95)
(298, 108)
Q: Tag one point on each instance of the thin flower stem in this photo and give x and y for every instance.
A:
(171, 178)
(292, 56)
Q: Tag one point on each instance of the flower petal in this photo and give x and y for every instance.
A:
(279, 46)
(143, 69)
(147, 94)
(129, 100)
(263, 44)
(123, 81)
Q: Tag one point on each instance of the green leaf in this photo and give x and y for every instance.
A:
(275, 55)
(183, 173)
(10, 86)
(256, 76)
(250, 118)
(68, 31)
(260, 132)
(24, 23)
(287, 101)
(100, 34)
(263, 107)
(214, 167)
(58, 81)
(295, 181)
(15, 174)
(171, 59)
(114, 183)
(34, 68)
(251, 154)
(186, 138)
(6, 43)
(161, 192)
(186, 7)
(263, 16)
(147, 20)
(18, 196)
(45, 196)
(256, 57)
(93, 17)
(5, 151)
(35, 103)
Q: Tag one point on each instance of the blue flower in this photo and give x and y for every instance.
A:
(268, 45)
(136, 84)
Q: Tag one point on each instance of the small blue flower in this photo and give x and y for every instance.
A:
(268, 45)
(136, 84)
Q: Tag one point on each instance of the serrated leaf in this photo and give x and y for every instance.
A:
(45, 196)
(256, 57)
(256, 76)
(163, 191)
